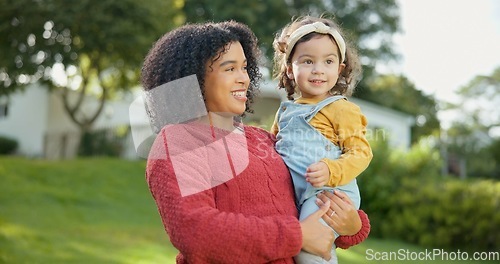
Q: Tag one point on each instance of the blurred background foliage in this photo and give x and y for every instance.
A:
(407, 198)
(101, 51)
(444, 192)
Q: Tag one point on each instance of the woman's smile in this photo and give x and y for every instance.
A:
(240, 95)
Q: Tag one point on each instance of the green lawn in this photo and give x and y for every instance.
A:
(96, 211)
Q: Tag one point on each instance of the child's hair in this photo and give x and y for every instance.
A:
(347, 78)
(188, 50)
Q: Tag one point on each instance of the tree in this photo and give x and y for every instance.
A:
(469, 152)
(494, 150)
(479, 101)
(370, 24)
(84, 46)
(399, 93)
(471, 143)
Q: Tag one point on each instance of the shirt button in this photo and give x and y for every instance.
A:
(283, 108)
(328, 147)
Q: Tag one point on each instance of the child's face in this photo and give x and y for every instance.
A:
(227, 81)
(315, 67)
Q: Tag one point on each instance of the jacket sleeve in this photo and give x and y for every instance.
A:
(350, 126)
(204, 234)
(345, 242)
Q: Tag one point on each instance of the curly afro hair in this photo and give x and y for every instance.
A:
(187, 50)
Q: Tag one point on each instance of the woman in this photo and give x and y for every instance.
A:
(223, 193)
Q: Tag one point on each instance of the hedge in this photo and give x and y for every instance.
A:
(406, 198)
(7, 145)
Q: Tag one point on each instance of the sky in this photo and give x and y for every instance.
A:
(446, 43)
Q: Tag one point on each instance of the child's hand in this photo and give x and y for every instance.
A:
(318, 174)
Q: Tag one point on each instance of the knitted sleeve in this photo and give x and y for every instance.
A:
(204, 234)
(345, 242)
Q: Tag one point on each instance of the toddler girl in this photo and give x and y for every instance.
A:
(320, 134)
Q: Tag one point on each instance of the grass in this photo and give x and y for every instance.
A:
(96, 211)
(81, 211)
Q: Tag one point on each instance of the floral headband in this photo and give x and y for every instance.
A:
(317, 27)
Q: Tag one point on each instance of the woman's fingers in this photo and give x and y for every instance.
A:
(341, 216)
(317, 238)
(343, 197)
(331, 214)
(336, 201)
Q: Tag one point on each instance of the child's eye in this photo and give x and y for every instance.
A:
(308, 61)
(329, 61)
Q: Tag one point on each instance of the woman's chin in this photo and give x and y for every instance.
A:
(229, 114)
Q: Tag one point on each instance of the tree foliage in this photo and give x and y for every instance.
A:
(399, 93)
(370, 24)
(470, 141)
(78, 45)
(479, 100)
(102, 43)
(111, 37)
(471, 152)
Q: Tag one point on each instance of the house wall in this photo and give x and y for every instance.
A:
(63, 135)
(26, 120)
(115, 113)
(396, 125)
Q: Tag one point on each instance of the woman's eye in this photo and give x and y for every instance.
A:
(230, 69)
(245, 68)
(308, 61)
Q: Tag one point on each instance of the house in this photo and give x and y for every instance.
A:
(37, 120)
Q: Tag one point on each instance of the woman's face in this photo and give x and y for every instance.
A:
(227, 81)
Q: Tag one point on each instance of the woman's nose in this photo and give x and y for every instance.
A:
(243, 77)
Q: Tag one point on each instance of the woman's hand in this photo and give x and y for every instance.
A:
(317, 238)
(341, 214)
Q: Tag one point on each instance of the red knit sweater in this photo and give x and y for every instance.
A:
(251, 218)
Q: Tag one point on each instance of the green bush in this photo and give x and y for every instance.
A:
(449, 214)
(386, 175)
(106, 142)
(7, 145)
(406, 198)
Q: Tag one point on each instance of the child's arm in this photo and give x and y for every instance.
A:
(350, 127)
